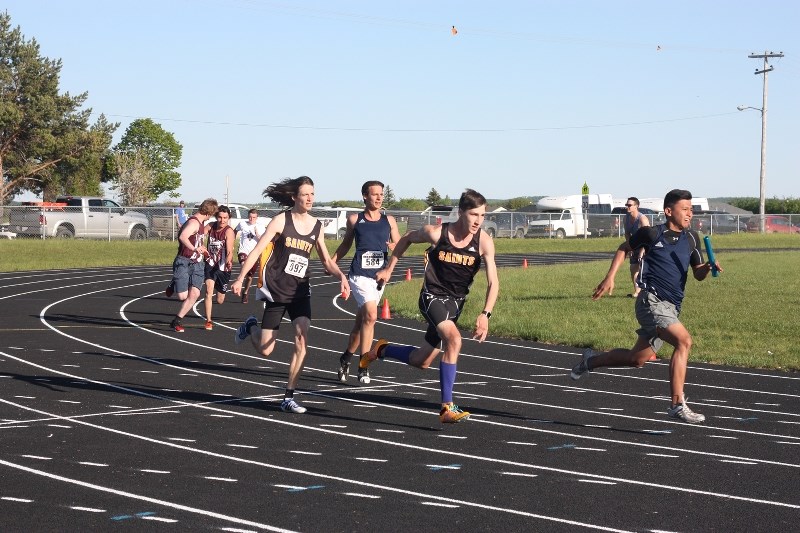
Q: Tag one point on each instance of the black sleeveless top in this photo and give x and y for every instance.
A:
(449, 270)
(284, 264)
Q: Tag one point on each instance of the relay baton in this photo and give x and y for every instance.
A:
(711, 258)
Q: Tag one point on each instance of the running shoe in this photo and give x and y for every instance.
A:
(344, 370)
(290, 406)
(451, 414)
(374, 353)
(363, 375)
(583, 366)
(176, 325)
(682, 412)
(209, 325)
(244, 298)
(244, 330)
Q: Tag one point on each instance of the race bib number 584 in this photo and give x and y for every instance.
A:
(372, 260)
(296, 266)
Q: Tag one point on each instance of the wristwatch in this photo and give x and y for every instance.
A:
(487, 313)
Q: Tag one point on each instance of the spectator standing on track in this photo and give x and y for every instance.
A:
(373, 232)
(187, 268)
(633, 220)
(249, 232)
(453, 260)
(180, 214)
(285, 249)
(219, 263)
(669, 250)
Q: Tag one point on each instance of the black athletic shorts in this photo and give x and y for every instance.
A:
(273, 312)
(221, 279)
(437, 309)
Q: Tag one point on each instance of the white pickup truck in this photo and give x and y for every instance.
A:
(78, 216)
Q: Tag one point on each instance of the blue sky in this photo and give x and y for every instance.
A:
(529, 98)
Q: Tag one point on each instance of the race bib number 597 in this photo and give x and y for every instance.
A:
(296, 266)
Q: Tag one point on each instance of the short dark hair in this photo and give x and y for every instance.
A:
(674, 196)
(470, 199)
(224, 209)
(371, 183)
(634, 200)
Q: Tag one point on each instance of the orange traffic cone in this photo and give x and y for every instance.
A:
(524, 263)
(385, 313)
(408, 274)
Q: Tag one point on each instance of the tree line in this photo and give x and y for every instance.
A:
(49, 147)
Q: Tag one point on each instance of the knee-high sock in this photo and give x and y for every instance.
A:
(398, 351)
(447, 378)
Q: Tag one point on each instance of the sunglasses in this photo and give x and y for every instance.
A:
(629, 205)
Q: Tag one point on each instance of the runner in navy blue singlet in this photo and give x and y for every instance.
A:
(455, 257)
(373, 231)
(670, 249)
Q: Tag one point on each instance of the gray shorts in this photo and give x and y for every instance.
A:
(653, 313)
(186, 273)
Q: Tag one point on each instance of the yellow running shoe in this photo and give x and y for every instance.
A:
(451, 413)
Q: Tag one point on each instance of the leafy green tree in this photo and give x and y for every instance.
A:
(518, 203)
(411, 204)
(433, 198)
(160, 150)
(134, 177)
(46, 145)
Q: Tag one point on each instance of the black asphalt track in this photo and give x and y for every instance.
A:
(111, 421)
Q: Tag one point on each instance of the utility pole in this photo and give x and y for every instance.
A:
(762, 188)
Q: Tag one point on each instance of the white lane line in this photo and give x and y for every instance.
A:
(180, 507)
(737, 462)
(451, 437)
(151, 471)
(87, 509)
(159, 519)
(337, 426)
(722, 437)
(596, 481)
(37, 457)
(521, 443)
(178, 439)
(372, 459)
(300, 452)
(360, 495)
(439, 504)
(590, 449)
(87, 463)
(520, 474)
(13, 499)
(214, 478)
(243, 446)
(663, 455)
(68, 401)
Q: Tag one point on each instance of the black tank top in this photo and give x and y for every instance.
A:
(284, 264)
(449, 270)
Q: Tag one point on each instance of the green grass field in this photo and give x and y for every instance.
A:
(746, 317)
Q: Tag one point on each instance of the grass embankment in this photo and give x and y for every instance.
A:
(736, 319)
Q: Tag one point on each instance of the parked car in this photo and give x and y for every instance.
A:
(78, 216)
(712, 222)
(507, 224)
(772, 224)
(438, 214)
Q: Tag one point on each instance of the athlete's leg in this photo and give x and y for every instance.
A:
(301, 326)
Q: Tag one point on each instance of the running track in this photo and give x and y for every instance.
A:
(109, 420)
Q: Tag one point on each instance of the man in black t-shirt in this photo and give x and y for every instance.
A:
(669, 250)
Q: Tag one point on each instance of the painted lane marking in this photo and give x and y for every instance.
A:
(451, 437)
(300, 452)
(37, 457)
(242, 446)
(372, 459)
(520, 474)
(360, 495)
(216, 415)
(436, 468)
(214, 478)
(596, 481)
(87, 463)
(178, 439)
(722, 437)
(663, 455)
(59, 426)
(737, 462)
(389, 431)
(160, 519)
(439, 504)
(784, 442)
(151, 471)
(337, 426)
(69, 401)
(521, 443)
(294, 488)
(13, 499)
(590, 449)
(87, 509)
